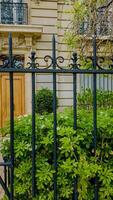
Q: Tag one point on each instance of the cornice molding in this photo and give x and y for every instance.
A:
(29, 29)
(24, 36)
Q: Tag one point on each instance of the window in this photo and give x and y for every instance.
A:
(13, 12)
(104, 26)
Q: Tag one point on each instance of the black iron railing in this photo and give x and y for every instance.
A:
(13, 13)
(53, 68)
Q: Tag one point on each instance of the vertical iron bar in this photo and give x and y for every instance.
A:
(55, 118)
(95, 111)
(108, 90)
(8, 176)
(5, 171)
(75, 100)
(88, 85)
(84, 83)
(107, 82)
(99, 77)
(75, 193)
(103, 83)
(11, 118)
(80, 83)
(5, 175)
(33, 131)
(111, 88)
(111, 83)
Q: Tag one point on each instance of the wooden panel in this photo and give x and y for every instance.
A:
(19, 97)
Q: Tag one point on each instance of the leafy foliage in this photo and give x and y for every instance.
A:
(75, 155)
(44, 101)
(87, 18)
(104, 98)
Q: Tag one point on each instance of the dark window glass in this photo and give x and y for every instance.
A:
(13, 12)
(6, 12)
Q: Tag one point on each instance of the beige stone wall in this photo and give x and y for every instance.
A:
(65, 86)
(44, 14)
(51, 15)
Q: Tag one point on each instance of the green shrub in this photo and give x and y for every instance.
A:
(104, 98)
(84, 165)
(44, 101)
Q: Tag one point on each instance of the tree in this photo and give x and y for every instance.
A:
(89, 18)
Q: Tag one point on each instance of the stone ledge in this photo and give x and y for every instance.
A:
(25, 29)
(24, 36)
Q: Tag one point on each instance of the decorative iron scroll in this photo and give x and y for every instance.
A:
(100, 63)
(33, 64)
(49, 62)
(17, 62)
(55, 62)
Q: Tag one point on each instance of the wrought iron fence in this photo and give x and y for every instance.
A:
(13, 13)
(53, 68)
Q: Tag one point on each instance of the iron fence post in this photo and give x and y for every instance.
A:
(11, 118)
(55, 117)
(95, 109)
(33, 129)
(74, 59)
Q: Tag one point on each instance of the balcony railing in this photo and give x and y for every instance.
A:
(13, 13)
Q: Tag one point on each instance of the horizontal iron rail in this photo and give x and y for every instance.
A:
(77, 71)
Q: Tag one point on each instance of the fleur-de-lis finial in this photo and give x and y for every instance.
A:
(33, 58)
(33, 63)
(74, 60)
(33, 54)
